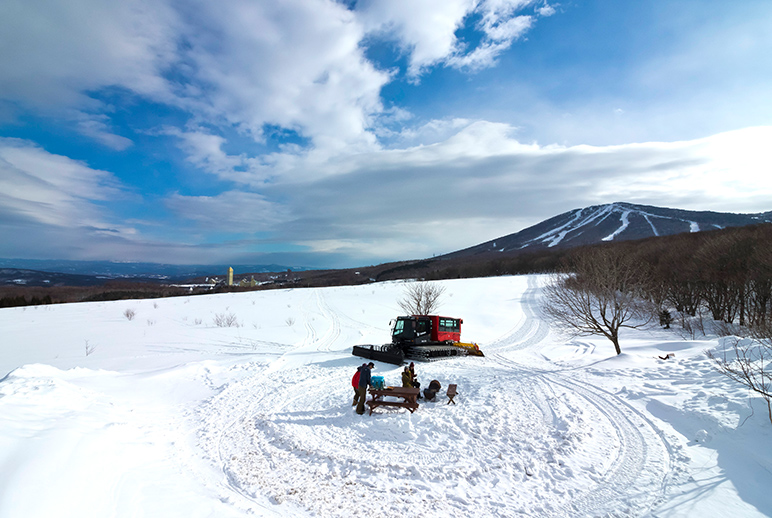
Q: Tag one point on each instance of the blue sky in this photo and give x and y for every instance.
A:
(322, 133)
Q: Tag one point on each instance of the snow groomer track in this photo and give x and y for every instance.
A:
(525, 440)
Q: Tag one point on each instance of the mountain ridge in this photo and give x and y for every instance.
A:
(618, 221)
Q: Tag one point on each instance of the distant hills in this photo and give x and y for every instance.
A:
(34, 272)
(611, 222)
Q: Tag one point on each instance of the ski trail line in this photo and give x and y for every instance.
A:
(641, 469)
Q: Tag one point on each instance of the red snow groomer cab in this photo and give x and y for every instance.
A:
(421, 338)
(419, 329)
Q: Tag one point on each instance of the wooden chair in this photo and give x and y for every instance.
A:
(451, 393)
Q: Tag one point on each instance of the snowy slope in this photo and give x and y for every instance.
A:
(611, 222)
(167, 414)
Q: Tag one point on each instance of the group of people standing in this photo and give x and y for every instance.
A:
(363, 376)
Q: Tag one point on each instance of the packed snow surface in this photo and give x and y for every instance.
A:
(149, 408)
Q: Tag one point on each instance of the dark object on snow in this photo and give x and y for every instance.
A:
(364, 382)
(383, 353)
(431, 392)
(665, 319)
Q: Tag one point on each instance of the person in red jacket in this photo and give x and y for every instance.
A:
(355, 384)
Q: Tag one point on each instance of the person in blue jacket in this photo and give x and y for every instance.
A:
(364, 382)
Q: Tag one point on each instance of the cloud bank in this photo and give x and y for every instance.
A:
(388, 204)
(282, 132)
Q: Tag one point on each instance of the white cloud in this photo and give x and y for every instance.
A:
(500, 21)
(52, 189)
(204, 150)
(477, 184)
(229, 212)
(98, 128)
(546, 10)
(478, 179)
(501, 25)
(54, 52)
(294, 64)
(481, 184)
(58, 56)
(424, 29)
(429, 133)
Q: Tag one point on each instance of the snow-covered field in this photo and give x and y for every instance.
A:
(166, 414)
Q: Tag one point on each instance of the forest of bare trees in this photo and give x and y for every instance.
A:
(726, 274)
(717, 282)
(722, 276)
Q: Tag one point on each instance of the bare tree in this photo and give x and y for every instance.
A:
(226, 320)
(421, 298)
(598, 294)
(749, 363)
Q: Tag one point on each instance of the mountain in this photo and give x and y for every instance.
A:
(611, 222)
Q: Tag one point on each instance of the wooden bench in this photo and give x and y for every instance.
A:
(409, 398)
(451, 393)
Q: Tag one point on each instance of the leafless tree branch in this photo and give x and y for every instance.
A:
(421, 298)
(750, 364)
(598, 295)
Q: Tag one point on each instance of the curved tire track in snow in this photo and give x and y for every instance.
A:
(302, 441)
(641, 466)
(296, 439)
(530, 331)
(333, 334)
(312, 339)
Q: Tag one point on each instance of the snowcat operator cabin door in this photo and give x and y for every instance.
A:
(403, 330)
(412, 330)
(423, 332)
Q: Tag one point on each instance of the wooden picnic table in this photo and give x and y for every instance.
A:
(409, 398)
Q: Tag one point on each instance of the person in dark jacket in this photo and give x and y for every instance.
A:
(364, 382)
(430, 392)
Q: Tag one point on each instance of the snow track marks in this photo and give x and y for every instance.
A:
(519, 435)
